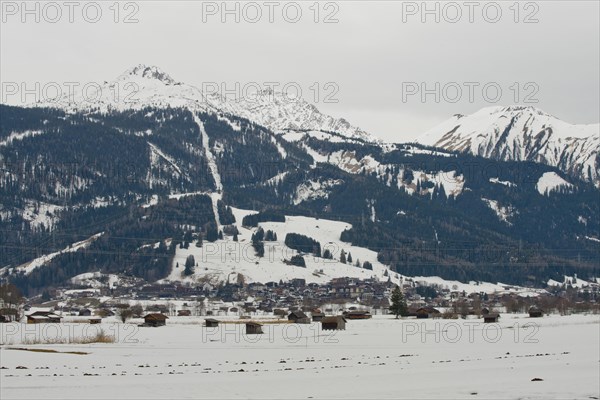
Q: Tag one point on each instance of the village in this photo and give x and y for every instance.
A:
(294, 300)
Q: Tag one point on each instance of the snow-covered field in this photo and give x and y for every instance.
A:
(377, 358)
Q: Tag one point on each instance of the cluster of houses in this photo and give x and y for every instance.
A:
(271, 295)
(156, 316)
(296, 300)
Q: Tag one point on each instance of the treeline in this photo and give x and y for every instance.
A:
(303, 244)
(253, 220)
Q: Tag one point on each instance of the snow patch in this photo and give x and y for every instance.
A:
(312, 190)
(502, 212)
(550, 181)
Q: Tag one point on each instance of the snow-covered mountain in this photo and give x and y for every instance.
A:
(518, 133)
(281, 112)
(139, 87)
(144, 86)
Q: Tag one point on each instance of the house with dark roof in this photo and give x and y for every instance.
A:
(337, 322)
(535, 312)
(357, 314)
(85, 312)
(155, 319)
(491, 318)
(253, 328)
(42, 317)
(427, 312)
(298, 317)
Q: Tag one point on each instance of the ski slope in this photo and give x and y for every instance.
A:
(223, 260)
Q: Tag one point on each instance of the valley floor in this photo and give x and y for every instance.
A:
(377, 358)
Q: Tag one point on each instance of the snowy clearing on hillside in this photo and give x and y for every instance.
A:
(437, 153)
(550, 181)
(372, 359)
(223, 260)
(39, 213)
(573, 281)
(312, 190)
(505, 183)
(95, 280)
(502, 212)
(472, 286)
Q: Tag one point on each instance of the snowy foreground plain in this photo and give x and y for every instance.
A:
(377, 358)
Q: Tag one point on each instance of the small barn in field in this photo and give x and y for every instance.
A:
(184, 313)
(427, 312)
(333, 323)
(253, 328)
(357, 314)
(298, 317)
(211, 323)
(491, 318)
(155, 319)
(535, 312)
(42, 317)
(85, 312)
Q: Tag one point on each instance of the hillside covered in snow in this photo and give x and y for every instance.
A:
(183, 164)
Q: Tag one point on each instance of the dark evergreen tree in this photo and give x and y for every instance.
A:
(212, 234)
(298, 261)
(190, 264)
(398, 306)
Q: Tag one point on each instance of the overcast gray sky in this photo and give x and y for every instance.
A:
(377, 53)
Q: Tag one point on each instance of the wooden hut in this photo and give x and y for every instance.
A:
(317, 316)
(42, 317)
(535, 312)
(333, 323)
(427, 312)
(491, 318)
(184, 313)
(357, 314)
(211, 323)
(253, 328)
(298, 317)
(155, 319)
(85, 312)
